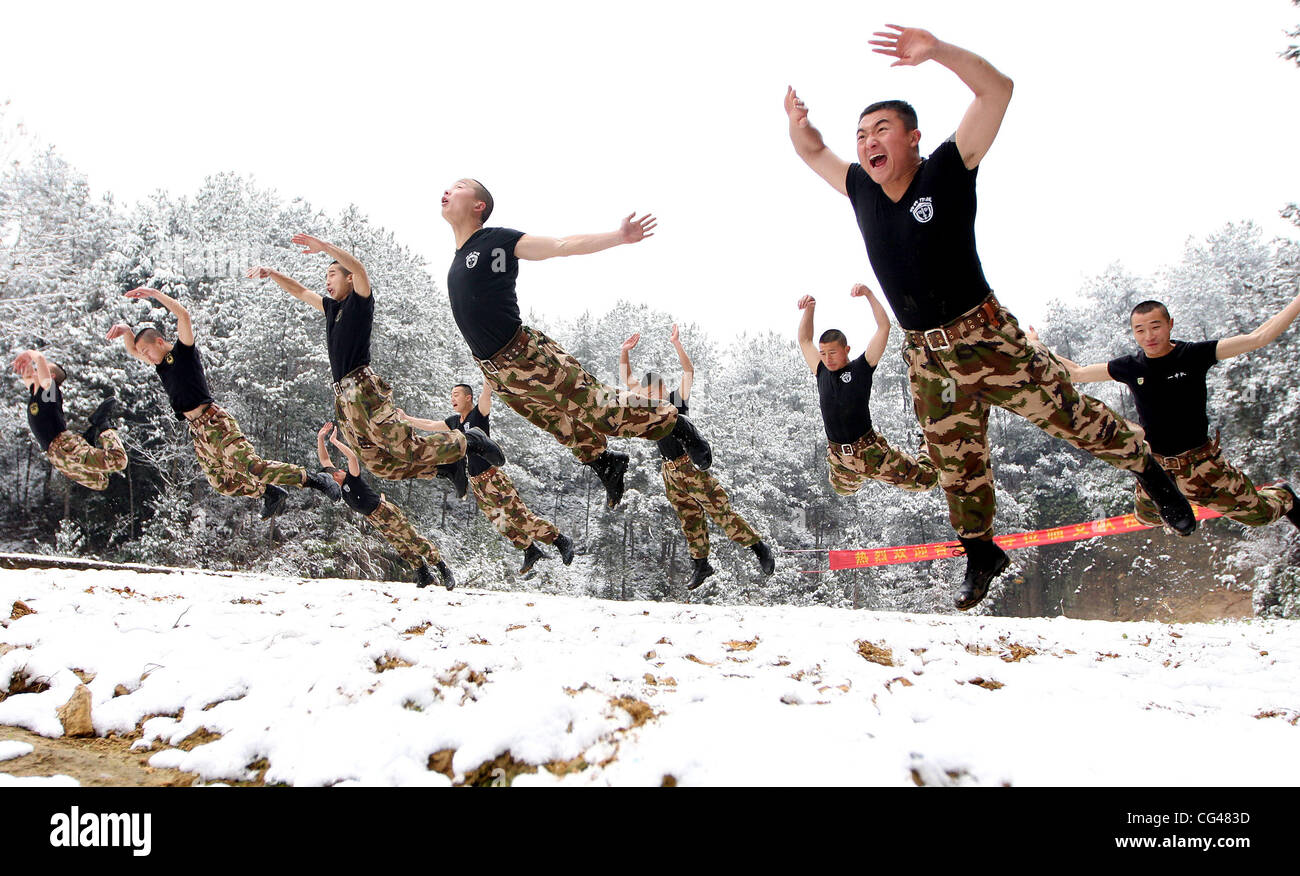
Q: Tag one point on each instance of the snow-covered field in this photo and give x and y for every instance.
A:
(351, 682)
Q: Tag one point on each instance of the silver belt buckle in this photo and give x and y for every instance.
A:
(846, 449)
(487, 366)
(943, 336)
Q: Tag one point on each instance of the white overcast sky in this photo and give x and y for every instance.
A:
(1134, 126)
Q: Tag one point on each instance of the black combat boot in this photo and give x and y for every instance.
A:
(984, 562)
(1294, 514)
(1173, 506)
(100, 420)
(273, 501)
(700, 452)
(477, 442)
(458, 473)
(702, 571)
(319, 480)
(564, 545)
(532, 554)
(423, 577)
(448, 579)
(610, 467)
(766, 561)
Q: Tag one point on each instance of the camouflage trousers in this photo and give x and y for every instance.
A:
(88, 466)
(230, 463)
(551, 389)
(993, 363)
(1207, 479)
(389, 447)
(696, 495)
(871, 458)
(398, 532)
(500, 503)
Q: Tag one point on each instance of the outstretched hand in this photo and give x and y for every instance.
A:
(806, 302)
(118, 331)
(795, 108)
(312, 244)
(23, 362)
(142, 292)
(260, 273)
(910, 45)
(326, 429)
(860, 290)
(675, 338)
(633, 231)
(631, 343)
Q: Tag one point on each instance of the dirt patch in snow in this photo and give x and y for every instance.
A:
(93, 762)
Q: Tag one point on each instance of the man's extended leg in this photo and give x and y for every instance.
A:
(84, 464)
(689, 511)
(398, 532)
(233, 467)
(500, 503)
(386, 445)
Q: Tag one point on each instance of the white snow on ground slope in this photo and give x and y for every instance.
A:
(353, 682)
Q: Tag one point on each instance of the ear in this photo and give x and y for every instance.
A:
(915, 138)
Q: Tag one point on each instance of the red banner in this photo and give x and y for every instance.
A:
(915, 553)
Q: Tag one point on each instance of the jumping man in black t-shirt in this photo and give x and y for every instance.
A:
(381, 513)
(855, 451)
(694, 494)
(496, 494)
(531, 372)
(1167, 379)
(228, 460)
(363, 401)
(88, 458)
(964, 351)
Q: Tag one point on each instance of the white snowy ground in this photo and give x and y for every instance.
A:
(289, 672)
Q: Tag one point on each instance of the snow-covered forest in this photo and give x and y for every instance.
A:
(67, 257)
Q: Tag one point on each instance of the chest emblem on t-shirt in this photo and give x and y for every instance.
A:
(338, 316)
(1177, 374)
(34, 409)
(846, 377)
(169, 359)
(922, 210)
(1141, 380)
(472, 259)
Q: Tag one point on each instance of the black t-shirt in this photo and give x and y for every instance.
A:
(347, 332)
(45, 414)
(181, 372)
(845, 399)
(1170, 394)
(670, 447)
(923, 248)
(476, 464)
(358, 494)
(481, 285)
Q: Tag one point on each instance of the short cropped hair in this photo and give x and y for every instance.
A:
(469, 390)
(833, 336)
(147, 334)
(341, 267)
(902, 107)
(481, 192)
(58, 373)
(1148, 307)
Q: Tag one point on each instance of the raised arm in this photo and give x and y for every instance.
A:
(360, 280)
(288, 284)
(322, 452)
(688, 369)
(354, 467)
(123, 331)
(809, 145)
(979, 126)
(535, 249)
(1265, 334)
(811, 354)
(484, 398)
(184, 328)
(421, 423)
(1078, 373)
(33, 363)
(876, 347)
(625, 363)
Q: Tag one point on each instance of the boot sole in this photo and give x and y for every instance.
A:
(976, 598)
